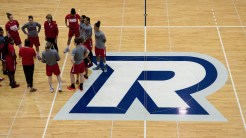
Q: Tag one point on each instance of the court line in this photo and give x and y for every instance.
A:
(121, 32)
(239, 17)
(53, 102)
(185, 26)
(16, 113)
(229, 70)
(111, 131)
(168, 24)
(177, 128)
(122, 22)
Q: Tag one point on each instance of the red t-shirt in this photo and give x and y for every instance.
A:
(73, 20)
(11, 27)
(27, 54)
(51, 29)
(9, 56)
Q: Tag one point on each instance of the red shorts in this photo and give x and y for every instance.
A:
(73, 32)
(16, 39)
(78, 68)
(100, 52)
(10, 64)
(88, 44)
(52, 69)
(34, 41)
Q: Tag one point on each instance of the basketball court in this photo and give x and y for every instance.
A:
(214, 30)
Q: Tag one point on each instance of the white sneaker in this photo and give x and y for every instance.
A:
(60, 88)
(51, 90)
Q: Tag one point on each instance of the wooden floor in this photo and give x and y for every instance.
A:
(172, 25)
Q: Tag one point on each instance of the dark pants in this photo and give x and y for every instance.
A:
(28, 70)
(11, 75)
(53, 41)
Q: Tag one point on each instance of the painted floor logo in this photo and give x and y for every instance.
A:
(150, 86)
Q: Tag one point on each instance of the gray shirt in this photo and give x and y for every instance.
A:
(31, 28)
(81, 26)
(78, 53)
(50, 57)
(87, 31)
(100, 39)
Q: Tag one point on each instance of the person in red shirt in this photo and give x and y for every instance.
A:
(51, 31)
(73, 26)
(12, 27)
(28, 54)
(9, 51)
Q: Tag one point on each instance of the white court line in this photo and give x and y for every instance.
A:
(53, 102)
(16, 113)
(145, 126)
(111, 130)
(121, 31)
(177, 122)
(122, 22)
(61, 26)
(168, 23)
(229, 70)
(239, 17)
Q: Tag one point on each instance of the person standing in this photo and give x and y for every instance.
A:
(12, 27)
(81, 25)
(32, 33)
(77, 58)
(28, 54)
(50, 57)
(73, 20)
(2, 55)
(51, 31)
(9, 51)
(100, 48)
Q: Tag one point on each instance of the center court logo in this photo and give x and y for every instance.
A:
(150, 86)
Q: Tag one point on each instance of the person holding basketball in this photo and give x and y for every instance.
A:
(73, 20)
(12, 27)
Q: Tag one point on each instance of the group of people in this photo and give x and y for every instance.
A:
(81, 55)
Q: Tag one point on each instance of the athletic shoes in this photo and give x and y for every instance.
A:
(33, 90)
(81, 86)
(51, 90)
(15, 86)
(77, 81)
(60, 88)
(66, 50)
(5, 73)
(105, 69)
(71, 87)
(96, 68)
(86, 76)
(1, 79)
